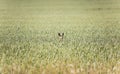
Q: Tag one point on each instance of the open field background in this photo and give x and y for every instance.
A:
(29, 42)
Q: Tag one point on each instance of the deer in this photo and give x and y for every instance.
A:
(61, 35)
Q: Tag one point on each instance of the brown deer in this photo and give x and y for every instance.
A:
(61, 35)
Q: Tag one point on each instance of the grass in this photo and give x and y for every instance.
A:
(29, 43)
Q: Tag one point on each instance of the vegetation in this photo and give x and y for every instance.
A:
(29, 41)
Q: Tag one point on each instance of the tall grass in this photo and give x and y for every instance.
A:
(29, 43)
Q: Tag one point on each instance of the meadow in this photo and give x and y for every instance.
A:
(29, 42)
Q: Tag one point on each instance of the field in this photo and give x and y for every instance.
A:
(29, 42)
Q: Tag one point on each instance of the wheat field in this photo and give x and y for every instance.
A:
(29, 41)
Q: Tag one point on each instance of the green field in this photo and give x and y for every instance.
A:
(29, 42)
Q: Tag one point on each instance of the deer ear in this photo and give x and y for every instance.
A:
(63, 34)
(58, 34)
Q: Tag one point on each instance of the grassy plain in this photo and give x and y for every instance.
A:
(29, 42)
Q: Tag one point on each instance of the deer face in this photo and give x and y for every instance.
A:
(61, 35)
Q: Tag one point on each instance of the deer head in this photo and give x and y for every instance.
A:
(61, 35)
